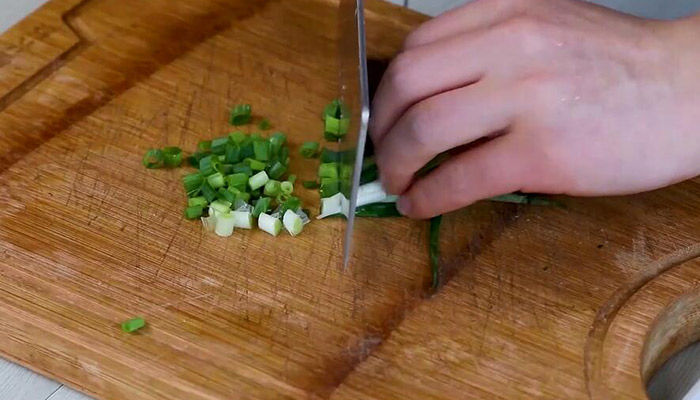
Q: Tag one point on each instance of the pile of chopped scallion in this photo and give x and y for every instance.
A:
(241, 179)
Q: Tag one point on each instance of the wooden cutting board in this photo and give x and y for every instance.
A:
(541, 302)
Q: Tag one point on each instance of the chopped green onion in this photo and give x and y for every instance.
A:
(284, 156)
(345, 172)
(233, 154)
(282, 198)
(372, 193)
(332, 205)
(237, 180)
(310, 184)
(209, 165)
(261, 206)
(292, 179)
(287, 187)
(154, 158)
(218, 145)
(336, 128)
(241, 168)
(216, 180)
(208, 192)
(221, 206)
(241, 114)
(227, 195)
(264, 124)
(209, 223)
(255, 165)
(309, 149)
(261, 150)
(277, 140)
(204, 146)
(292, 222)
(197, 201)
(273, 188)
(258, 180)
(192, 183)
(329, 187)
(257, 192)
(133, 325)
(247, 150)
(292, 203)
(242, 219)
(277, 170)
(328, 170)
(224, 224)
(237, 137)
(243, 196)
(194, 212)
(434, 247)
(269, 224)
(172, 156)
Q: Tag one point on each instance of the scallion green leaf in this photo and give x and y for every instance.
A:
(208, 192)
(309, 149)
(227, 195)
(277, 140)
(328, 170)
(153, 159)
(197, 201)
(273, 188)
(276, 170)
(261, 150)
(264, 124)
(204, 146)
(310, 184)
(218, 145)
(254, 164)
(172, 156)
(287, 187)
(133, 325)
(241, 168)
(233, 154)
(238, 181)
(261, 206)
(192, 183)
(241, 114)
(216, 180)
(194, 212)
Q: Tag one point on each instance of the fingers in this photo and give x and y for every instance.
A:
(441, 123)
(426, 71)
(474, 16)
(494, 168)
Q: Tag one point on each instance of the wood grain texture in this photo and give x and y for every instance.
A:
(541, 302)
(525, 316)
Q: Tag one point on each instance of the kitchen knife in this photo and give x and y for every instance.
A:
(354, 96)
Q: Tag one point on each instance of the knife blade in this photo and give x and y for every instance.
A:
(354, 96)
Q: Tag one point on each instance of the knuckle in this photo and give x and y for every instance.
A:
(399, 73)
(530, 35)
(419, 120)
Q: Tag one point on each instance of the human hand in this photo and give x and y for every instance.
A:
(575, 99)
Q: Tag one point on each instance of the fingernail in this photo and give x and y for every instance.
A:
(403, 205)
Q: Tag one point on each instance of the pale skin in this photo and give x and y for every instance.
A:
(567, 97)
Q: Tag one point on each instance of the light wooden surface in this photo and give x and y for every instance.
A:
(100, 126)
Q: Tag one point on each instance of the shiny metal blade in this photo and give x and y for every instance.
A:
(354, 94)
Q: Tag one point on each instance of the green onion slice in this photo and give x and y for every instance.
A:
(133, 325)
(241, 114)
(154, 158)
